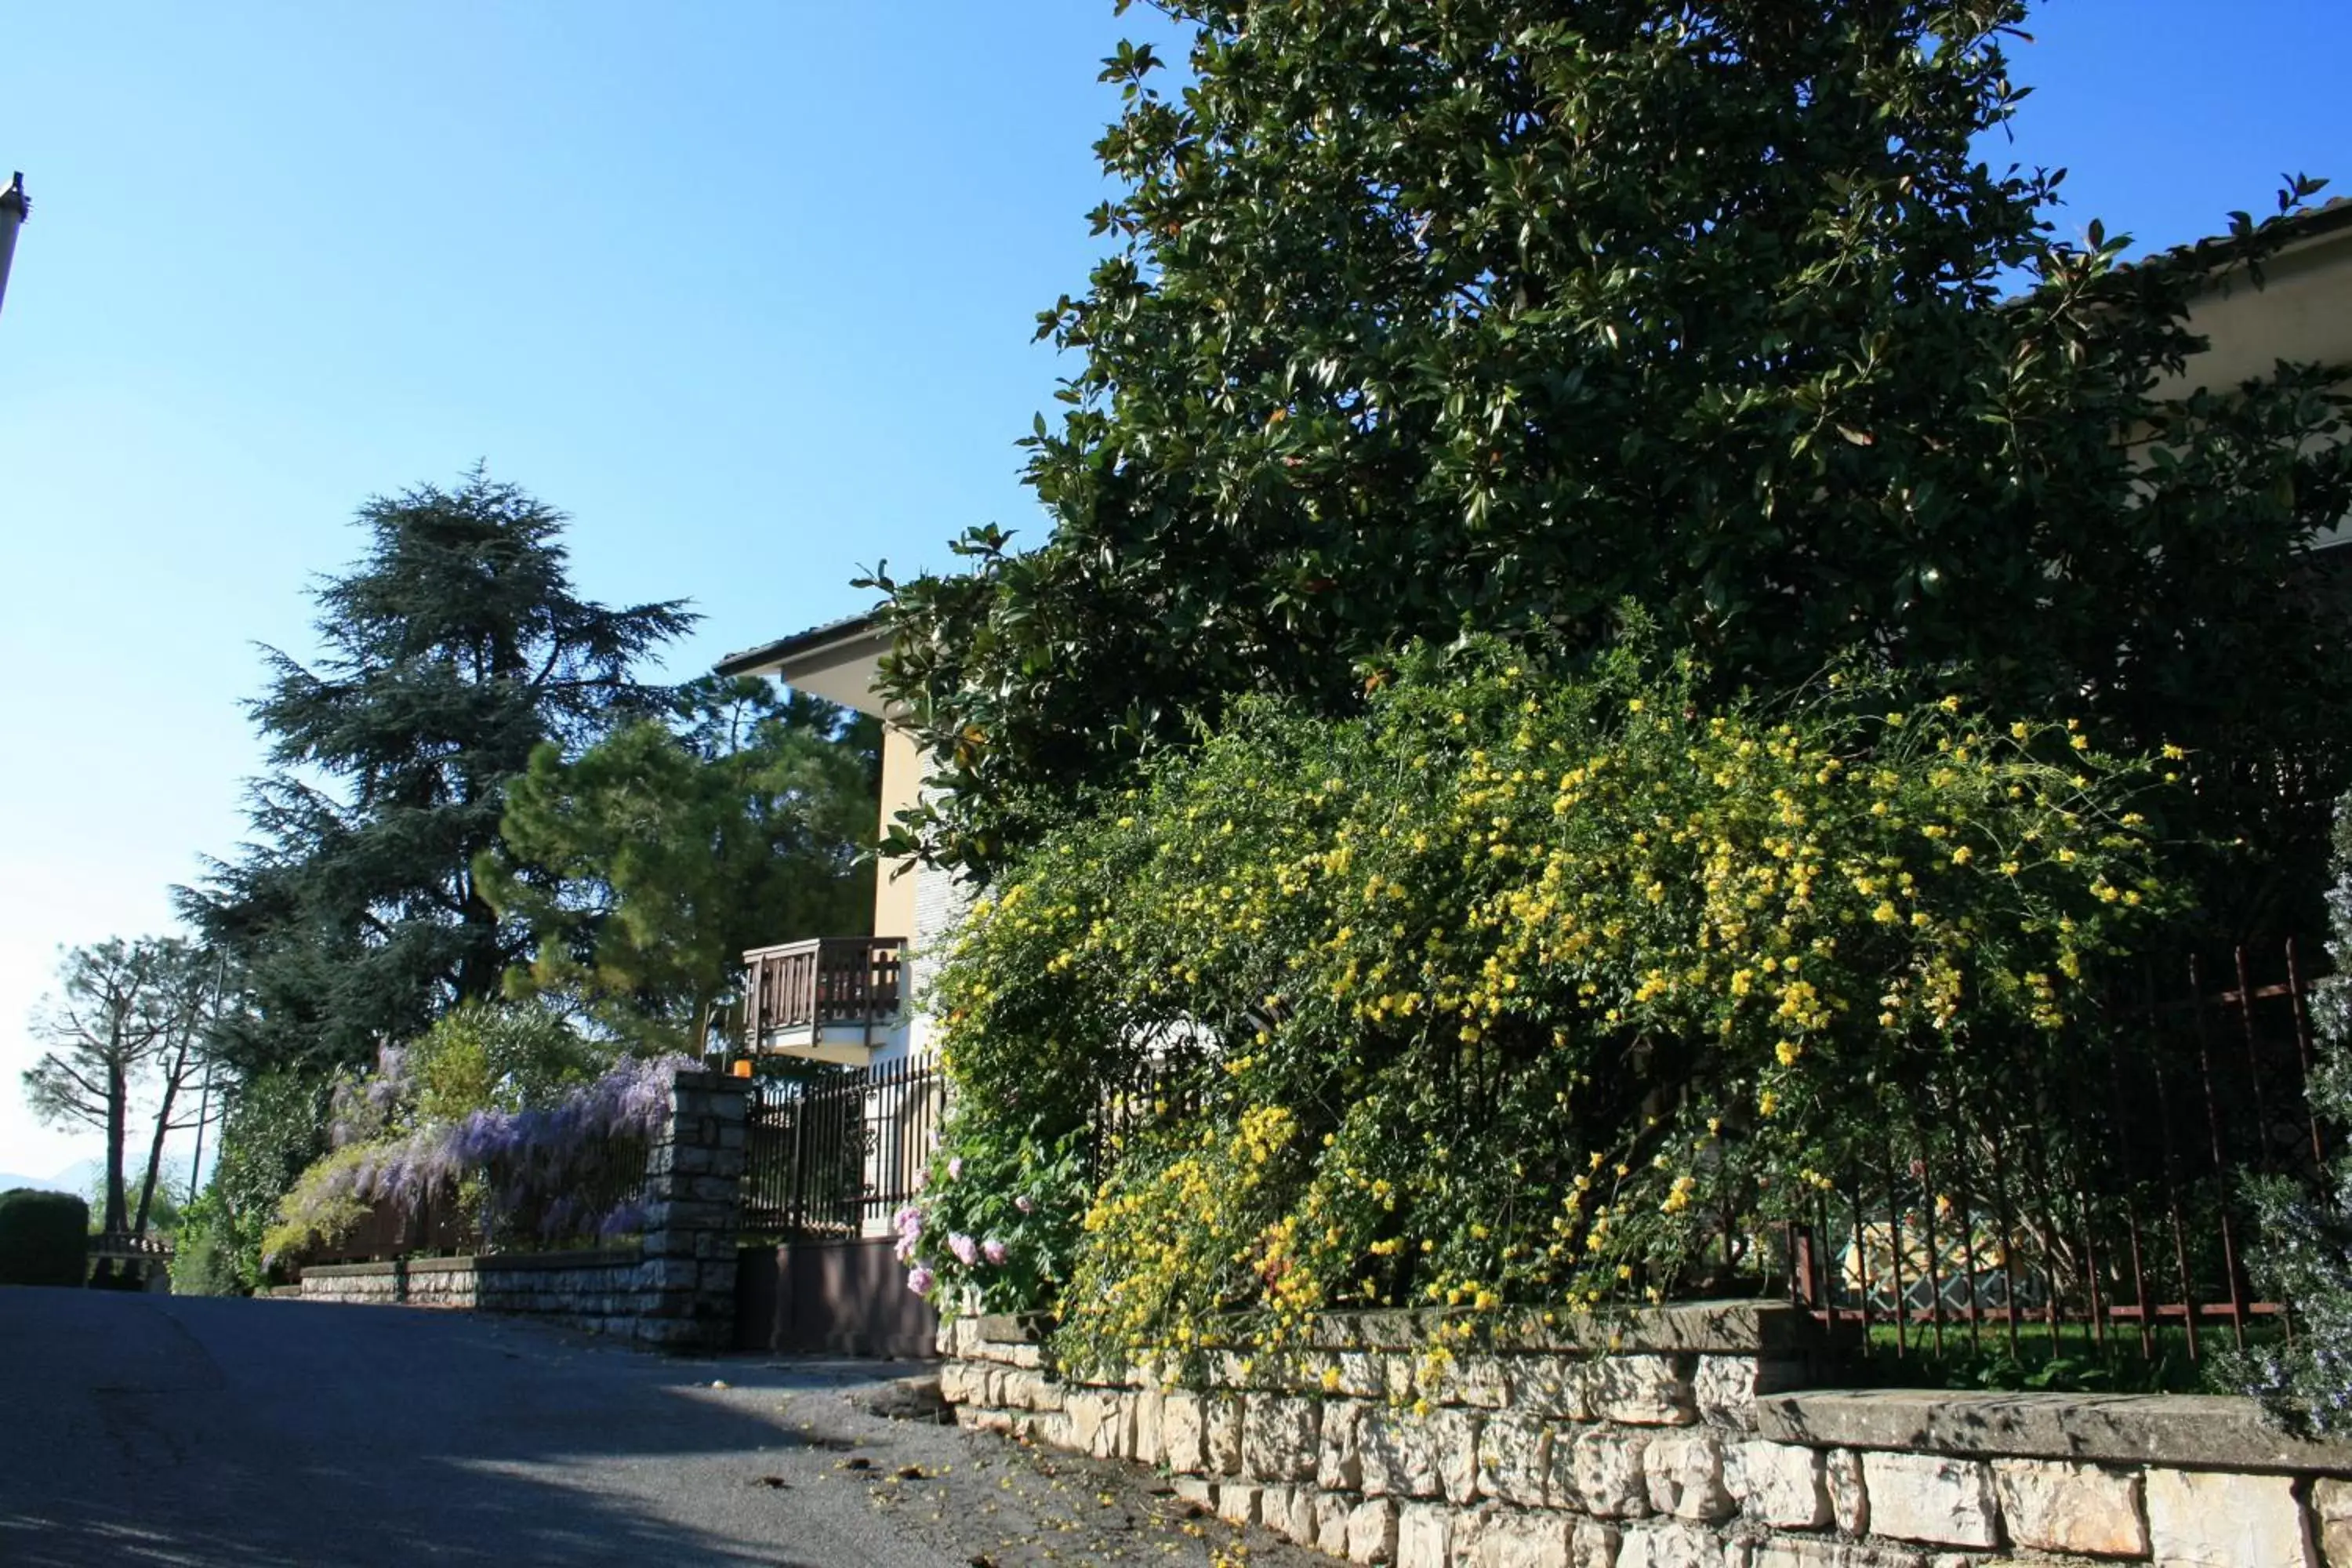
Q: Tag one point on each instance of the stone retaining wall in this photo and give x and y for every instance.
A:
(593, 1290)
(1691, 1446)
(676, 1288)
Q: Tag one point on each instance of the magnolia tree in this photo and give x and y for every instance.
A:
(1489, 315)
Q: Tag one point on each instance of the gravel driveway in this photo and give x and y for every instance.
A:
(154, 1429)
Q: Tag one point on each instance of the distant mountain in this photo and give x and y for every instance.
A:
(78, 1178)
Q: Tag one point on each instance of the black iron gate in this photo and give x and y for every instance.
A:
(835, 1155)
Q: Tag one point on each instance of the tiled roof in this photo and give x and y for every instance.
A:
(753, 658)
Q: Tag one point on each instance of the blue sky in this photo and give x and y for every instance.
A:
(746, 288)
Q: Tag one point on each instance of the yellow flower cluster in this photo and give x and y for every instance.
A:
(1519, 990)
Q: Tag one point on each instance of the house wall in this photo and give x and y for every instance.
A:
(1391, 1440)
(895, 880)
(2302, 312)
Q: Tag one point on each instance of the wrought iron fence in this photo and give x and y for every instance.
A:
(837, 1155)
(2109, 1207)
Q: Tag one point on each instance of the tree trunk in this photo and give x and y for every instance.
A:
(118, 1113)
(172, 1076)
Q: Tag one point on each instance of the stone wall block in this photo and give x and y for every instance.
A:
(1639, 1391)
(1094, 1421)
(1291, 1512)
(2331, 1520)
(1182, 1431)
(1146, 1426)
(1778, 1483)
(1457, 1432)
(1513, 1540)
(1372, 1536)
(1848, 1498)
(1601, 1472)
(1926, 1497)
(1237, 1502)
(1400, 1455)
(1549, 1385)
(2205, 1519)
(1724, 1388)
(1331, 1524)
(1593, 1543)
(1361, 1375)
(1478, 1380)
(960, 1383)
(1280, 1436)
(1669, 1544)
(1222, 1433)
(2056, 1505)
(1338, 1453)
(1425, 1536)
(1514, 1459)
(1683, 1472)
(1799, 1552)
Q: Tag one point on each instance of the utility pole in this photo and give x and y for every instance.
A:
(13, 209)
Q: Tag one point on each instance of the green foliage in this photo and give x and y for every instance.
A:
(276, 1125)
(2079, 1362)
(1520, 988)
(495, 1057)
(42, 1238)
(642, 869)
(455, 649)
(1486, 316)
(2304, 1255)
(204, 1262)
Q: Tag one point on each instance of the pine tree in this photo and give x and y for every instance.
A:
(453, 649)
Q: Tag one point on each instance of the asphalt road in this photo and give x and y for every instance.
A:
(156, 1430)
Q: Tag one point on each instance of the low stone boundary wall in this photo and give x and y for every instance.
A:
(676, 1288)
(1693, 1444)
(593, 1290)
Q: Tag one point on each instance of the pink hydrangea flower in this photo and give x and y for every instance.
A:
(955, 1169)
(966, 1250)
(993, 1249)
(919, 1281)
(1022, 1203)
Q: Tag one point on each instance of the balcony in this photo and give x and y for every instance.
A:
(828, 999)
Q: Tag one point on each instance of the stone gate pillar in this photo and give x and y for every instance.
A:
(685, 1278)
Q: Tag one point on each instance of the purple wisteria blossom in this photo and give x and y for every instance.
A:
(572, 1168)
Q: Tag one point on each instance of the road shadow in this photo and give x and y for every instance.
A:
(142, 1429)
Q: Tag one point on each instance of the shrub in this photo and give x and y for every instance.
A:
(43, 1238)
(2304, 1252)
(1521, 988)
(568, 1168)
(204, 1257)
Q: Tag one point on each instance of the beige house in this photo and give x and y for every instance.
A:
(824, 995)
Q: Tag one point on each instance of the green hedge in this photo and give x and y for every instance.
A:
(42, 1238)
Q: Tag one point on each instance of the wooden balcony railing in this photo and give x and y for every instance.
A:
(827, 986)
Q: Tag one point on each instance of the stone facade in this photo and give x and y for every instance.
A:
(1679, 1449)
(676, 1289)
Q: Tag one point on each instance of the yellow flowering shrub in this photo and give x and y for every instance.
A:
(1520, 988)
